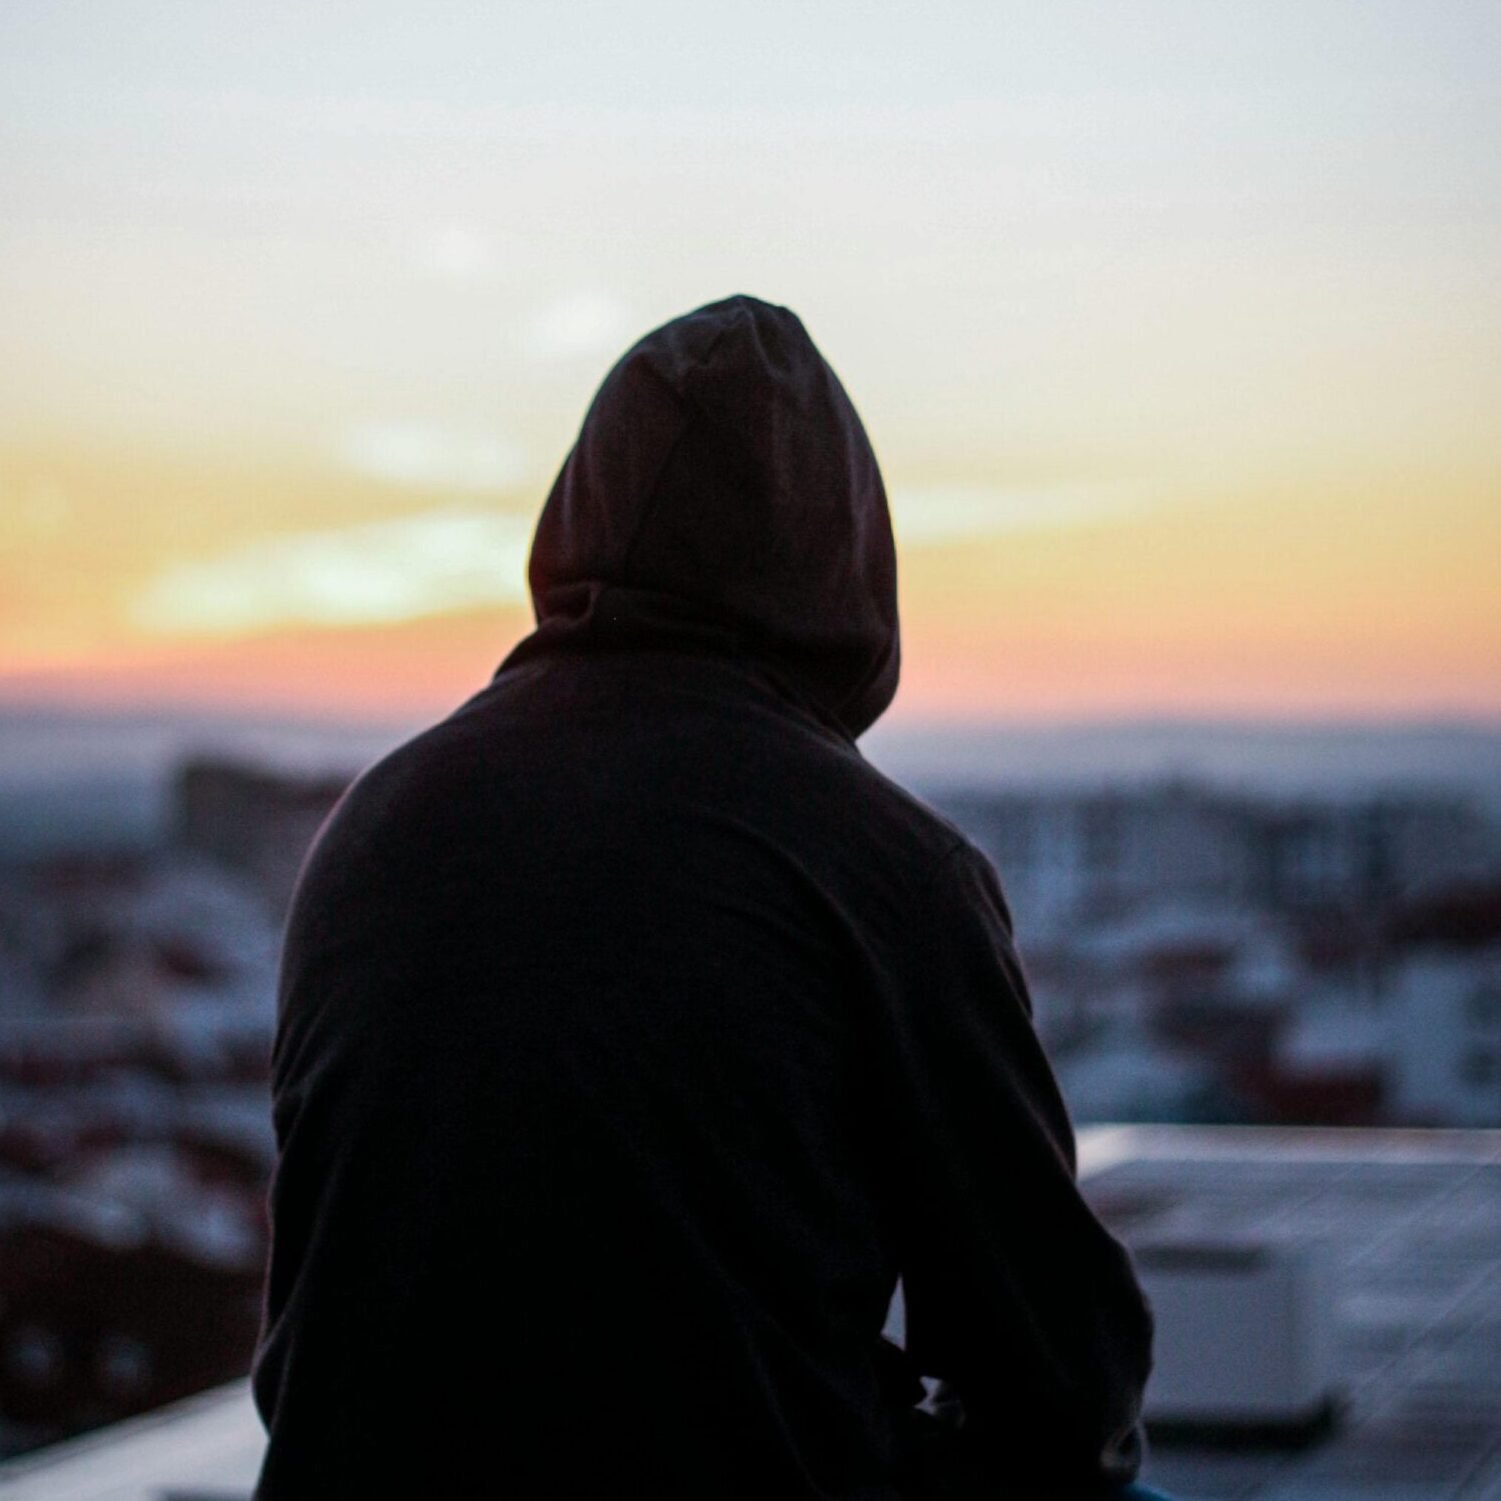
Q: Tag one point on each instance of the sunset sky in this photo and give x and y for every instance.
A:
(1176, 326)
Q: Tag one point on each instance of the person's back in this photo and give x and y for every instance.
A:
(637, 1035)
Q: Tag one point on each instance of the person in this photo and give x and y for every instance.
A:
(636, 1035)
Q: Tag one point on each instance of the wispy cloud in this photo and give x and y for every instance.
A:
(405, 453)
(454, 252)
(582, 323)
(454, 559)
(372, 573)
(932, 516)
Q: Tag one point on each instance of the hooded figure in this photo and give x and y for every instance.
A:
(636, 1035)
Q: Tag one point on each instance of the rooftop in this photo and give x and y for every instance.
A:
(1411, 1226)
(1410, 1223)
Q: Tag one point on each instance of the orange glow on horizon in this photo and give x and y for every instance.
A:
(1284, 601)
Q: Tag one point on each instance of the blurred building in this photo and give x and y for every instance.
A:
(135, 1138)
(253, 820)
(1068, 852)
(1445, 1045)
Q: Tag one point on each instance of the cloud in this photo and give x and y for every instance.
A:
(376, 572)
(455, 559)
(582, 323)
(433, 459)
(933, 516)
(454, 252)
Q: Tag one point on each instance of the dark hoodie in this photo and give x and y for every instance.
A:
(636, 1035)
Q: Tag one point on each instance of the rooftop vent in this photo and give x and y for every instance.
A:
(1244, 1347)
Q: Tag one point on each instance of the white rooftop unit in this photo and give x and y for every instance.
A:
(1245, 1335)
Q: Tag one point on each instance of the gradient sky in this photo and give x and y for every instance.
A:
(1176, 326)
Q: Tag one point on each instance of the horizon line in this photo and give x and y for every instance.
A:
(1384, 718)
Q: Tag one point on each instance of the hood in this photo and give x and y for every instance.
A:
(722, 495)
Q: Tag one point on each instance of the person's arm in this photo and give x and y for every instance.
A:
(1017, 1297)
